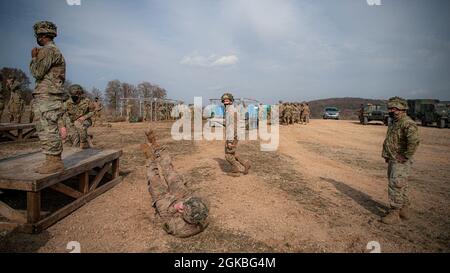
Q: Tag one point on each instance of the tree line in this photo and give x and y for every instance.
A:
(115, 90)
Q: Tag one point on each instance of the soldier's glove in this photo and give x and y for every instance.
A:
(401, 159)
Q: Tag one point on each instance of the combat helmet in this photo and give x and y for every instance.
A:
(45, 27)
(195, 211)
(227, 96)
(76, 90)
(399, 103)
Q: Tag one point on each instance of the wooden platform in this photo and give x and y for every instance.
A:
(16, 173)
(17, 131)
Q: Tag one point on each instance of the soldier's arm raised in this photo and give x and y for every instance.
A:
(41, 64)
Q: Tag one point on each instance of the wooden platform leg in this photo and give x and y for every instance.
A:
(84, 182)
(19, 134)
(33, 207)
(115, 168)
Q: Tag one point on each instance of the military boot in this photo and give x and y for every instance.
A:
(405, 213)
(247, 167)
(393, 217)
(52, 164)
(84, 145)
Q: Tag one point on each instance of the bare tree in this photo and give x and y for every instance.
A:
(145, 89)
(113, 93)
(96, 93)
(21, 77)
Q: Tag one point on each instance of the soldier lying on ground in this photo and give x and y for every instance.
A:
(182, 214)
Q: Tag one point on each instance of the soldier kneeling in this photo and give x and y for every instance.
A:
(182, 214)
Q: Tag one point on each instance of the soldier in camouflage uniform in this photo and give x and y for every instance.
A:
(400, 145)
(48, 67)
(129, 110)
(238, 165)
(2, 98)
(281, 111)
(306, 113)
(147, 112)
(182, 214)
(78, 111)
(287, 115)
(98, 112)
(16, 103)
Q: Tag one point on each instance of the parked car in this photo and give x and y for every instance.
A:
(331, 113)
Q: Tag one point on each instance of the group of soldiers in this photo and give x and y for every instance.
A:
(154, 111)
(16, 104)
(294, 113)
(183, 214)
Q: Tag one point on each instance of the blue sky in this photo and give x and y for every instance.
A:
(269, 50)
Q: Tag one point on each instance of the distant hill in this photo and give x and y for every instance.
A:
(348, 106)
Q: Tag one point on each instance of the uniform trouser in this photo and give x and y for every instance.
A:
(78, 132)
(305, 118)
(235, 161)
(48, 112)
(398, 183)
(15, 112)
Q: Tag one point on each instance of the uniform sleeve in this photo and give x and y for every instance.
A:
(412, 136)
(91, 110)
(41, 64)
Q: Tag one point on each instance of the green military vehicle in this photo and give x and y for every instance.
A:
(374, 112)
(438, 112)
(429, 112)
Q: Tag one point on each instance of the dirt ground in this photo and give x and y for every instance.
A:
(324, 190)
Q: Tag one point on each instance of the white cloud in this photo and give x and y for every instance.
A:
(211, 61)
(226, 60)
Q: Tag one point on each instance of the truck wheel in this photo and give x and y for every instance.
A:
(366, 120)
(441, 123)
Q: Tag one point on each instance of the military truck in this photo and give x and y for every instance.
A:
(429, 111)
(416, 111)
(437, 112)
(374, 112)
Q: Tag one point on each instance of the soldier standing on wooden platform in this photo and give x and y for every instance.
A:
(238, 166)
(78, 111)
(48, 67)
(182, 214)
(16, 103)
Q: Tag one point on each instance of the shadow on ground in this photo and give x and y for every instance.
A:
(359, 197)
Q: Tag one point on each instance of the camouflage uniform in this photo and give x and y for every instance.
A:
(16, 103)
(49, 70)
(32, 111)
(402, 139)
(73, 111)
(231, 140)
(287, 114)
(129, 109)
(97, 118)
(147, 112)
(167, 189)
(306, 113)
